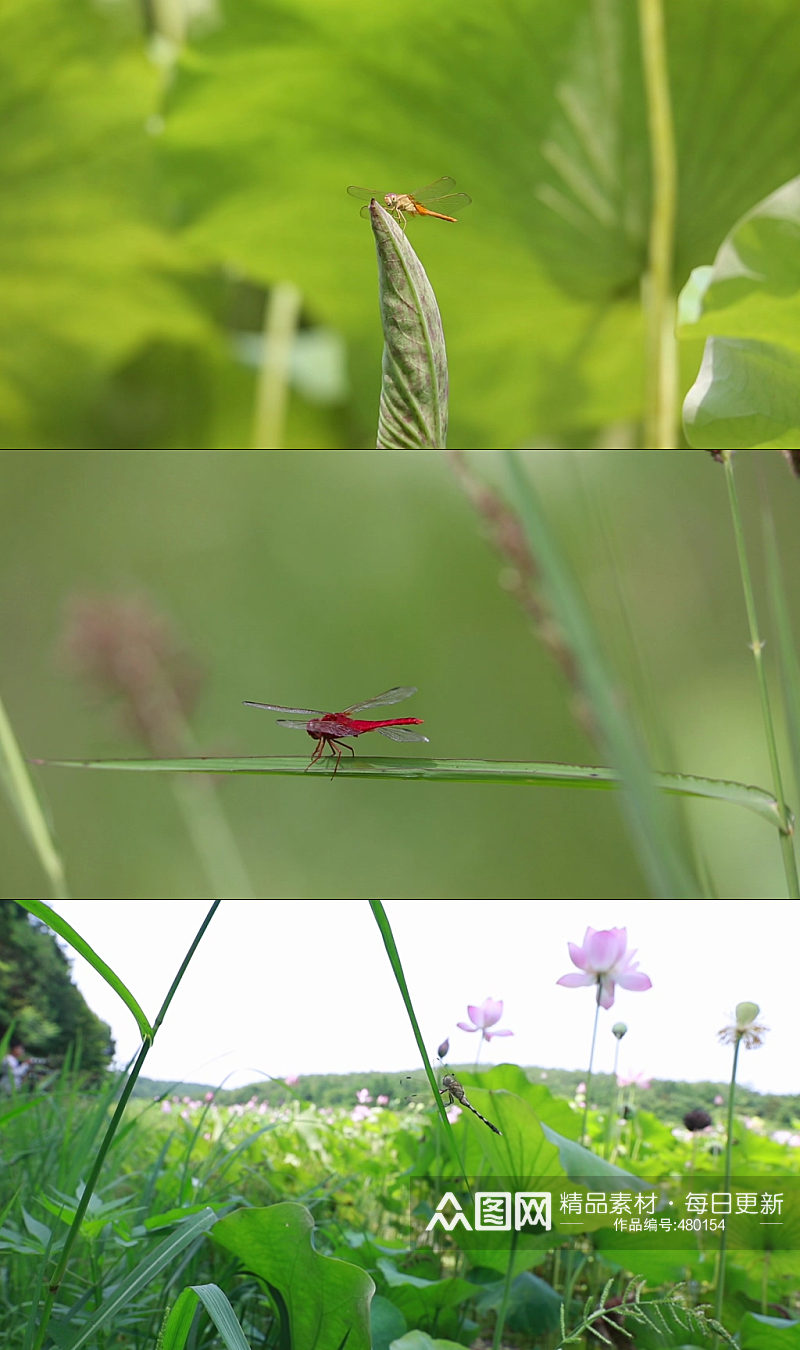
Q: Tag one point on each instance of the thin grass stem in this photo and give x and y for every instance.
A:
(757, 647)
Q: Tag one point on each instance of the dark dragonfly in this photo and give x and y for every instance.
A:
(456, 1093)
(411, 1090)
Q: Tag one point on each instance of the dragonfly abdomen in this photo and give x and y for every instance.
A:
(451, 1085)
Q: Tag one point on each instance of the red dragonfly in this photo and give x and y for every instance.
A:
(328, 728)
(401, 204)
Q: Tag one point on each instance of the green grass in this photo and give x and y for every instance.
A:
(178, 1166)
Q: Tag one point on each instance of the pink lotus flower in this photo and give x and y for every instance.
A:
(605, 961)
(484, 1017)
(786, 1137)
(638, 1079)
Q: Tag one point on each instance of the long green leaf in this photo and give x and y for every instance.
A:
(59, 925)
(157, 1261)
(178, 1324)
(451, 770)
(382, 920)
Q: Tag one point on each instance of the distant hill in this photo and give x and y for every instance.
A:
(666, 1099)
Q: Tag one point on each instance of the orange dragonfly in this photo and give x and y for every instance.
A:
(328, 728)
(402, 204)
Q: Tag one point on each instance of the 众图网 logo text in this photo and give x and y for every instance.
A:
(495, 1211)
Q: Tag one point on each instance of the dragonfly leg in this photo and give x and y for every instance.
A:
(318, 748)
(340, 745)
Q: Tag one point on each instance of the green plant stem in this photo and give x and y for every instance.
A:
(500, 1320)
(556, 1272)
(591, 1066)
(91, 1182)
(693, 1157)
(15, 777)
(571, 1273)
(214, 841)
(662, 856)
(170, 21)
(380, 916)
(787, 646)
(726, 1185)
(661, 344)
(765, 1272)
(203, 815)
(281, 316)
(615, 1105)
(757, 647)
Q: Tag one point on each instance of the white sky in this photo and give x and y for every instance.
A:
(293, 987)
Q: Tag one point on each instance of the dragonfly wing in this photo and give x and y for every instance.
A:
(383, 700)
(364, 194)
(451, 201)
(415, 1091)
(411, 1091)
(401, 734)
(292, 722)
(279, 707)
(434, 191)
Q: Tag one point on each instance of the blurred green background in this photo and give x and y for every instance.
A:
(321, 579)
(167, 165)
